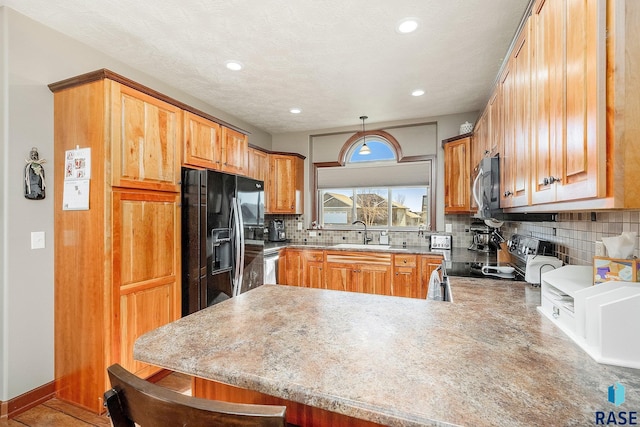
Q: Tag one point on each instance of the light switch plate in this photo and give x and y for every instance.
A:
(37, 240)
(448, 228)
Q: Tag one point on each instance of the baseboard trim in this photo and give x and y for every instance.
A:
(28, 400)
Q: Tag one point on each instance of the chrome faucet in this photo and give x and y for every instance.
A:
(365, 238)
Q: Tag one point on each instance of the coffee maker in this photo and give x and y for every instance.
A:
(482, 238)
(276, 231)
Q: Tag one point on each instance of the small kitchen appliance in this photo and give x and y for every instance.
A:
(276, 231)
(524, 250)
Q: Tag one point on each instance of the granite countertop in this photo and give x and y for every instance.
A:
(419, 250)
(488, 359)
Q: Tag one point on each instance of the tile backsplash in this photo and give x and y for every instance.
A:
(574, 234)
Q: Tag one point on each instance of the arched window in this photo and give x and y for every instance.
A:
(380, 150)
(379, 188)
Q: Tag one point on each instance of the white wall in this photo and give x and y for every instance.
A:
(32, 57)
(447, 127)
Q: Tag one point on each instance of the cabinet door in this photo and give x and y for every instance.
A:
(145, 136)
(514, 162)
(202, 142)
(339, 276)
(293, 268)
(427, 266)
(258, 164)
(374, 279)
(313, 269)
(146, 269)
(286, 184)
(457, 172)
(405, 276)
(582, 172)
(234, 151)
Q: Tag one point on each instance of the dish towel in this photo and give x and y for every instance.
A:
(435, 290)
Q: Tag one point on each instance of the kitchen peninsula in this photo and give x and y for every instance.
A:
(488, 359)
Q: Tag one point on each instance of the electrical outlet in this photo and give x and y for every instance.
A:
(312, 234)
(299, 226)
(448, 228)
(599, 249)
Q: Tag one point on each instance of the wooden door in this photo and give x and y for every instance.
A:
(428, 264)
(521, 118)
(293, 268)
(405, 276)
(508, 157)
(257, 164)
(548, 91)
(374, 279)
(234, 151)
(496, 127)
(457, 172)
(339, 276)
(282, 179)
(202, 142)
(145, 135)
(581, 174)
(313, 269)
(146, 269)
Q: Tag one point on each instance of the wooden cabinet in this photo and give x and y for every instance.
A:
(146, 138)
(368, 272)
(286, 184)
(569, 71)
(208, 144)
(258, 168)
(405, 276)
(234, 152)
(313, 269)
(516, 90)
(117, 264)
(457, 175)
(428, 264)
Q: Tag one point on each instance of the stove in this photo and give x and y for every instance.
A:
(519, 246)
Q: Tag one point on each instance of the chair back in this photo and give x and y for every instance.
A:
(134, 400)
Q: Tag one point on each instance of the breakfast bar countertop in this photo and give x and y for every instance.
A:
(488, 359)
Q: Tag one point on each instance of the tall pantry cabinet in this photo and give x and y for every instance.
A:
(117, 264)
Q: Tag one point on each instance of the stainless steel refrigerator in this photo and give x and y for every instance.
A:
(222, 237)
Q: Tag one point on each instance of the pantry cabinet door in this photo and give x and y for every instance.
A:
(146, 268)
(146, 141)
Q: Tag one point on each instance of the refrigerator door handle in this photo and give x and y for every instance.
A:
(241, 242)
(236, 228)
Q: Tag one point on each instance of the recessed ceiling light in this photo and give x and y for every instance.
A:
(295, 110)
(407, 25)
(234, 65)
(417, 92)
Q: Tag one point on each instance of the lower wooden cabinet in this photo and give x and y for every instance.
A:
(405, 276)
(380, 273)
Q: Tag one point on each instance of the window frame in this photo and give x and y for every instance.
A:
(347, 148)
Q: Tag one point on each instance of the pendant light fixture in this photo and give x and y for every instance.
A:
(364, 150)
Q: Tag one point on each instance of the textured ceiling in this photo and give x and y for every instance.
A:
(334, 59)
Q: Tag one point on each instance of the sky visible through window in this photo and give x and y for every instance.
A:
(379, 151)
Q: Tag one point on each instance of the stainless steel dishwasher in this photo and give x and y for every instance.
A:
(271, 267)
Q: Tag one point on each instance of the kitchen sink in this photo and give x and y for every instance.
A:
(360, 246)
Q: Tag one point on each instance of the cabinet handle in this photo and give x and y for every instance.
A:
(507, 193)
(397, 274)
(553, 179)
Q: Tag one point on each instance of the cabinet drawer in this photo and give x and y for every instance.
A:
(314, 256)
(405, 260)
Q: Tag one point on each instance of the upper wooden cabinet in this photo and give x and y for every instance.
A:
(569, 81)
(210, 145)
(234, 152)
(515, 89)
(202, 142)
(457, 173)
(569, 71)
(286, 184)
(146, 140)
(258, 164)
